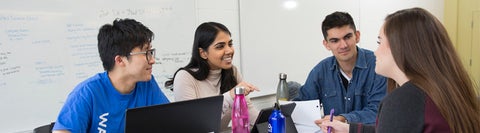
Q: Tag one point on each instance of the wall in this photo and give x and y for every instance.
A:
(278, 39)
(467, 37)
(464, 30)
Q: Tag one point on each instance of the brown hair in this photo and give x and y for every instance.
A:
(423, 51)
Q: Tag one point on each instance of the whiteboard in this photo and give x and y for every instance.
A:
(47, 47)
(278, 39)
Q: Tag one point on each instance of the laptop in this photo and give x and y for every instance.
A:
(198, 115)
(261, 124)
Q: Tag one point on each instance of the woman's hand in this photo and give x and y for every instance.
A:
(337, 126)
(248, 88)
(338, 117)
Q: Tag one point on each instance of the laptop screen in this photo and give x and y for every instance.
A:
(197, 115)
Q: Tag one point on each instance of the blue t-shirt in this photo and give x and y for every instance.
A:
(95, 106)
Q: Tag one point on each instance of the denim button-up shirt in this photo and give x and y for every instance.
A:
(359, 103)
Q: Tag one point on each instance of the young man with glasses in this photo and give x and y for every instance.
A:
(98, 104)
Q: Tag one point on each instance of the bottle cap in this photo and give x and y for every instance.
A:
(283, 76)
(240, 90)
(276, 106)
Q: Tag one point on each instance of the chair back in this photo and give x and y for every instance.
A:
(44, 128)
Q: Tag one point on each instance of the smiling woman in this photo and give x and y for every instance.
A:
(219, 55)
(210, 71)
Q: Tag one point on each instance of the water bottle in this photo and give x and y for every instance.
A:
(276, 121)
(240, 122)
(282, 88)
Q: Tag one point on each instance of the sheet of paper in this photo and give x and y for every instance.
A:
(308, 129)
(306, 112)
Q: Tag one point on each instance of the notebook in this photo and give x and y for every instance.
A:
(197, 115)
(261, 124)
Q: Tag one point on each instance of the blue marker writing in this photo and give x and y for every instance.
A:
(331, 119)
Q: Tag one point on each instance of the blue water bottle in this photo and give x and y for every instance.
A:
(276, 121)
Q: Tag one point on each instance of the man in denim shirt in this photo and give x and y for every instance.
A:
(346, 81)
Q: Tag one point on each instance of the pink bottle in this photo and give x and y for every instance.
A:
(240, 122)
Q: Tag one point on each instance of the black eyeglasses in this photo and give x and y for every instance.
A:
(149, 54)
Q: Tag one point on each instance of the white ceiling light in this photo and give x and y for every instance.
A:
(290, 4)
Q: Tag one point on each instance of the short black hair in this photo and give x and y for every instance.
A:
(120, 38)
(337, 19)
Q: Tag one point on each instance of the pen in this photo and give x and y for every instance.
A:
(331, 119)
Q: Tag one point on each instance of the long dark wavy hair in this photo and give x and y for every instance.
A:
(205, 34)
(423, 51)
